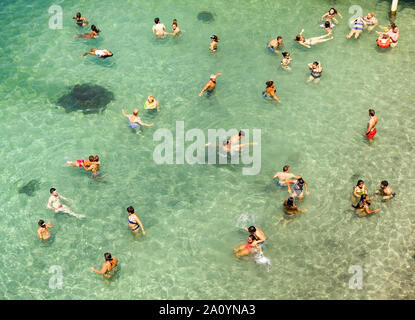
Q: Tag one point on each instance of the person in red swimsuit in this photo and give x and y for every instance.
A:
(371, 125)
(246, 248)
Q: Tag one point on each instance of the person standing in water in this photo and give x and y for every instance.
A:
(134, 222)
(275, 44)
(315, 71)
(330, 15)
(176, 29)
(80, 20)
(43, 231)
(134, 121)
(286, 60)
(363, 206)
(290, 211)
(359, 190)
(385, 191)
(270, 90)
(56, 205)
(284, 176)
(210, 85)
(151, 103)
(159, 29)
(214, 44)
(259, 235)
(298, 188)
(109, 267)
(312, 41)
(371, 126)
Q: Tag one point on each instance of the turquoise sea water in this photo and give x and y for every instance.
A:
(191, 213)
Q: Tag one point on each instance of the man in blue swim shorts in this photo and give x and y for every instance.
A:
(285, 176)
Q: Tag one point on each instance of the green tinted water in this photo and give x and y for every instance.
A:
(191, 213)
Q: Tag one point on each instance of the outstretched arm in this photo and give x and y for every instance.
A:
(145, 124)
(123, 113)
(204, 89)
(102, 271)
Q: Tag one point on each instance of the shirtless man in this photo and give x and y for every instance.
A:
(210, 85)
(385, 191)
(284, 176)
(371, 125)
(134, 120)
(159, 29)
(275, 44)
(56, 205)
(258, 234)
(229, 147)
(235, 139)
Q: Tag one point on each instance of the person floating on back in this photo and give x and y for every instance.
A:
(100, 53)
(56, 205)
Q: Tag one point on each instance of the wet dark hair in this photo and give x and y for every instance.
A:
(385, 183)
(297, 38)
(315, 63)
(52, 190)
(372, 112)
(251, 229)
(361, 202)
(285, 168)
(96, 158)
(241, 133)
(226, 142)
(78, 15)
(130, 209)
(214, 37)
(393, 25)
(279, 37)
(175, 21)
(290, 202)
(107, 256)
(359, 182)
(41, 224)
(91, 158)
(334, 10)
(156, 20)
(284, 54)
(300, 181)
(252, 237)
(269, 83)
(327, 24)
(94, 28)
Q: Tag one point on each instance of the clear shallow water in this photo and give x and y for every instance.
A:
(191, 213)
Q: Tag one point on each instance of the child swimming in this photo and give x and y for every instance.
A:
(286, 59)
(43, 231)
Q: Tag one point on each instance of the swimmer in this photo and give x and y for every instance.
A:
(134, 121)
(270, 91)
(176, 29)
(371, 126)
(159, 28)
(275, 44)
(259, 235)
(210, 85)
(370, 21)
(311, 41)
(151, 103)
(80, 163)
(246, 248)
(385, 191)
(214, 44)
(94, 167)
(229, 147)
(93, 35)
(298, 188)
(357, 28)
(316, 69)
(329, 15)
(393, 34)
(43, 231)
(327, 26)
(359, 190)
(80, 20)
(290, 211)
(134, 222)
(236, 138)
(286, 60)
(104, 53)
(109, 267)
(284, 176)
(363, 206)
(56, 205)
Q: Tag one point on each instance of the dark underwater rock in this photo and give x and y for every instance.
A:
(30, 188)
(205, 16)
(86, 97)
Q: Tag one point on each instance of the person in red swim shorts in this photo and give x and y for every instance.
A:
(371, 126)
